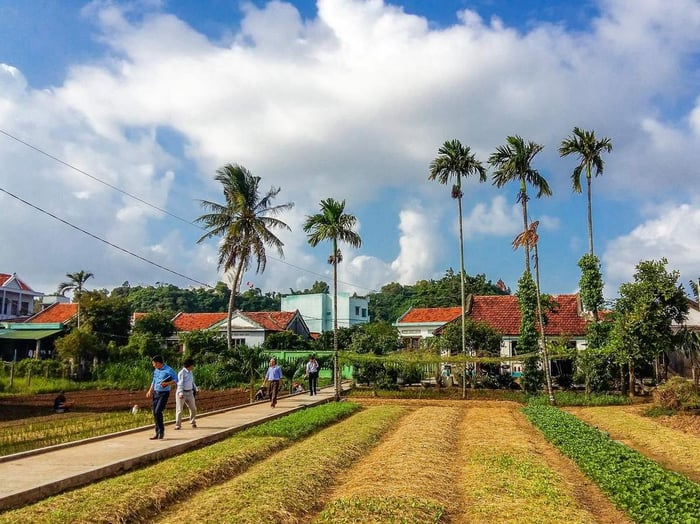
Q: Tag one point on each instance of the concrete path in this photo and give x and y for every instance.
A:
(34, 475)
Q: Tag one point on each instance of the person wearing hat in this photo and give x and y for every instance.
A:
(273, 377)
(163, 377)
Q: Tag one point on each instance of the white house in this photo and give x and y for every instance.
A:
(317, 310)
(16, 298)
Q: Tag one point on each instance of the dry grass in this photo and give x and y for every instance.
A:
(285, 488)
(511, 474)
(672, 448)
(407, 478)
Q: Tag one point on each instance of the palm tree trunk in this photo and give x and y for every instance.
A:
(336, 370)
(461, 284)
(543, 341)
(590, 212)
(523, 197)
(231, 304)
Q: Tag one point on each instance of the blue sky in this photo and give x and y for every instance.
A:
(347, 99)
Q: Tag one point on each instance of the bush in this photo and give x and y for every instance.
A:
(676, 394)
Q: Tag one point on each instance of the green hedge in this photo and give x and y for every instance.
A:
(646, 491)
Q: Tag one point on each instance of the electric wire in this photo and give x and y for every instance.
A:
(105, 241)
(153, 206)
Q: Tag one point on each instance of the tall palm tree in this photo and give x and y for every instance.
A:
(512, 163)
(588, 148)
(456, 161)
(245, 223)
(76, 284)
(530, 238)
(333, 224)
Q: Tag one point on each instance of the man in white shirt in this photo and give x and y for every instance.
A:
(186, 391)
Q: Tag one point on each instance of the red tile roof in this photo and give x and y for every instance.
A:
(55, 313)
(421, 315)
(4, 277)
(271, 320)
(502, 313)
(192, 321)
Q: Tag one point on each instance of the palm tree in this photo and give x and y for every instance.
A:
(333, 224)
(530, 238)
(244, 222)
(456, 161)
(588, 148)
(512, 162)
(76, 284)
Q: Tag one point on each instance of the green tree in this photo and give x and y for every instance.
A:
(109, 318)
(591, 285)
(512, 162)
(203, 345)
(455, 161)
(644, 315)
(379, 338)
(76, 284)
(81, 348)
(157, 323)
(245, 222)
(530, 239)
(287, 340)
(333, 224)
(588, 148)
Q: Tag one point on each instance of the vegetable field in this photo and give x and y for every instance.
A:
(412, 461)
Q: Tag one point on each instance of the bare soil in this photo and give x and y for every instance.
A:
(96, 401)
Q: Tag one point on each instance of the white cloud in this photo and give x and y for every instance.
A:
(350, 103)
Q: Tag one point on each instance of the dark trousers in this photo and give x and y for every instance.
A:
(313, 380)
(274, 389)
(160, 399)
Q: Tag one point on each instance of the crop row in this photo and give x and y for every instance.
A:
(646, 491)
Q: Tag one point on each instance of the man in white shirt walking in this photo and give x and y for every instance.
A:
(186, 392)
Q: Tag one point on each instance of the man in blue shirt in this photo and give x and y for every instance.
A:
(163, 377)
(273, 377)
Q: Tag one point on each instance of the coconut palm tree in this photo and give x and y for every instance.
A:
(333, 224)
(588, 148)
(456, 161)
(245, 223)
(529, 239)
(512, 162)
(76, 284)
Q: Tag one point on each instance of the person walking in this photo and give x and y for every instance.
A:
(273, 377)
(312, 373)
(163, 377)
(186, 393)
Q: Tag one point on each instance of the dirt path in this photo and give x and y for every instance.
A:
(674, 449)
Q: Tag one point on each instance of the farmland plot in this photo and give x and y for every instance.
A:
(674, 449)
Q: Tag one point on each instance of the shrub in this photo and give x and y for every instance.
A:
(675, 394)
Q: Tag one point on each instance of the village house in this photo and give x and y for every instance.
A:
(567, 322)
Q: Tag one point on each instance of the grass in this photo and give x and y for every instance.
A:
(285, 487)
(18, 436)
(140, 494)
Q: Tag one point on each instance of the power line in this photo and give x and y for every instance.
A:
(145, 202)
(104, 241)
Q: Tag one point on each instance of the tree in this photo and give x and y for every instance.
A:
(456, 161)
(156, 323)
(512, 162)
(588, 148)
(591, 284)
(76, 284)
(529, 239)
(644, 315)
(333, 224)
(287, 340)
(109, 318)
(245, 222)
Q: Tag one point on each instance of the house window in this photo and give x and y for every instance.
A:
(15, 308)
(24, 309)
(238, 342)
(357, 311)
(364, 312)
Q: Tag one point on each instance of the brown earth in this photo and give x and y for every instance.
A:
(89, 401)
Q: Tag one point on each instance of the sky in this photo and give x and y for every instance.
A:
(115, 116)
